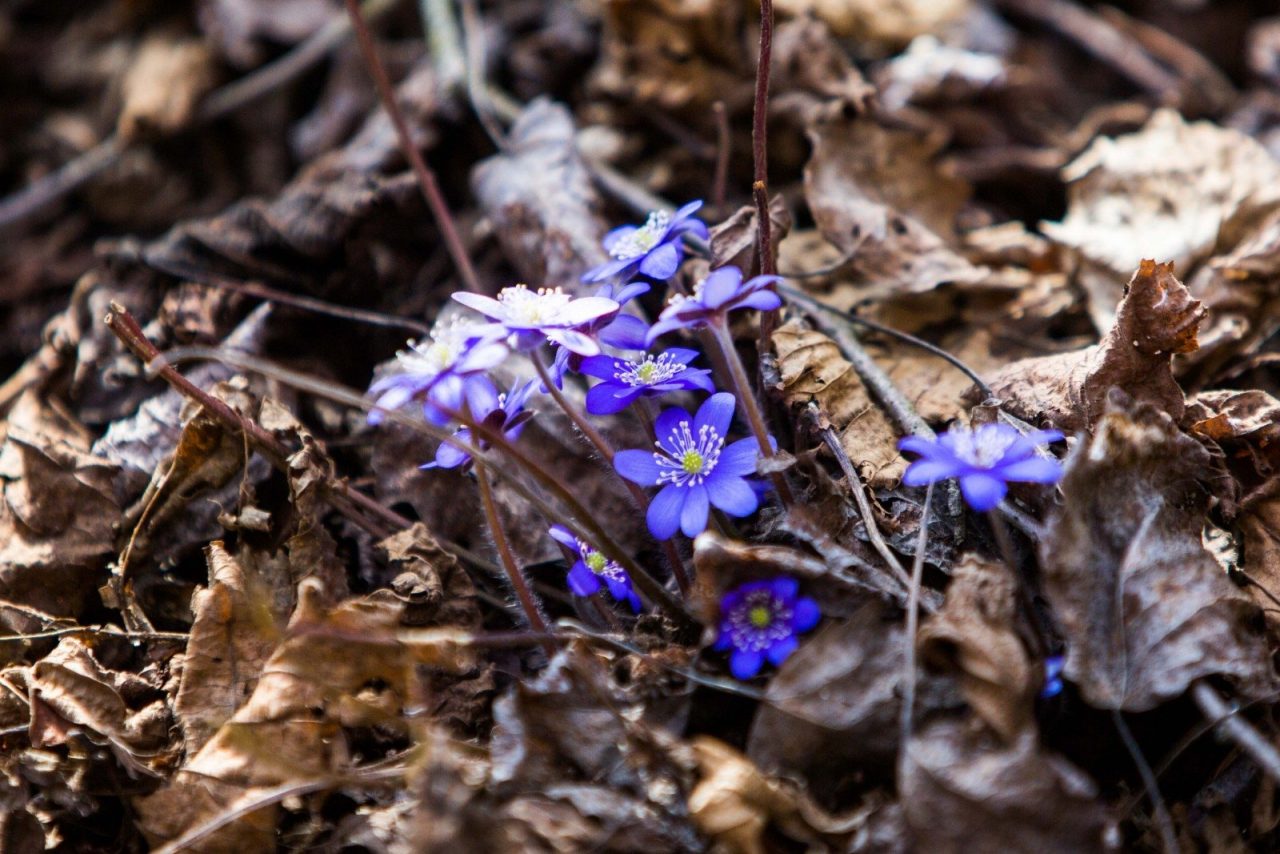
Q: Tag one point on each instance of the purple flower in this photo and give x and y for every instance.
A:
(503, 412)
(759, 620)
(653, 249)
(985, 459)
(625, 380)
(623, 331)
(1052, 676)
(694, 468)
(719, 293)
(591, 567)
(438, 371)
(530, 317)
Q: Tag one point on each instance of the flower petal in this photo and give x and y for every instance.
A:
(745, 665)
(686, 211)
(784, 587)
(662, 262)
(805, 615)
(626, 332)
(601, 367)
(563, 536)
(720, 285)
(608, 270)
(637, 467)
(582, 581)
(571, 339)
(450, 457)
(923, 472)
(584, 310)
(739, 458)
(669, 421)
(693, 516)
(922, 446)
(716, 412)
(760, 300)
(607, 398)
(482, 396)
(1034, 470)
(664, 511)
(488, 306)
(982, 491)
(663, 326)
(628, 292)
(611, 239)
(782, 650)
(732, 494)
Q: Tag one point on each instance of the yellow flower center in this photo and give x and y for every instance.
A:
(691, 462)
(596, 562)
(760, 617)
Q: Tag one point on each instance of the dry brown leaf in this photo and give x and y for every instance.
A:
(1157, 318)
(962, 790)
(234, 631)
(812, 73)
(1145, 609)
(886, 23)
(812, 369)
(930, 71)
(1241, 290)
(57, 522)
(734, 240)
(734, 802)
(1175, 189)
(975, 637)
(539, 196)
(168, 78)
(879, 196)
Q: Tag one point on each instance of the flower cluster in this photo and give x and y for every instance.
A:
(694, 465)
(760, 621)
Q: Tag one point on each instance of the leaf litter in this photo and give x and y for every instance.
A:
(235, 614)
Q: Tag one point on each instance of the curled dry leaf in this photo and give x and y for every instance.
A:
(1174, 190)
(930, 71)
(879, 195)
(57, 522)
(976, 637)
(1241, 290)
(168, 78)
(812, 73)
(812, 369)
(963, 790)
(540, 199)
(1145, 609)
(1157, 318)
(734, 240)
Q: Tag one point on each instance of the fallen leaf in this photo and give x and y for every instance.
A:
(963, 790)
(886, 25)
(168, 78)
(976, 638)
(1156, 320)
(1145, 609)
(1173, 190)
(879, 195)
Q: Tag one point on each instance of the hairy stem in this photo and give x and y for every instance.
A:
(532, 610)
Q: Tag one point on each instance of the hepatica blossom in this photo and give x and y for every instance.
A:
(722, 291)
(623, 331)
(759, 622)
(503, 412)
(625, 380)
(592, 569)
(438, 371)
(985, 459)
(695, 469)
(1053, 666)
(530, 316)
(653, 249)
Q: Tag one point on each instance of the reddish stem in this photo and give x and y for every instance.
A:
(518, 582)
(426, 178)
(760, 139)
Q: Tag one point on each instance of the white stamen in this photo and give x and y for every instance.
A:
(531, 308)
(686, 461)
(984, 447)
(443, 347)
(748, 636)
(649, 371)
(643, 239)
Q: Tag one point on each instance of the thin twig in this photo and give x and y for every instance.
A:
(760, 139)
(356, 506)
(426, 178)
(724, 145)
(100, 631)
(515, 575)
(1164, 822)
(1230, 725)
(858, 488)
(905, 337)
(913, 622)
(648, 585)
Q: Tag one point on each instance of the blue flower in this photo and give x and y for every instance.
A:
(1052, 676)
(625, 380)
(623, 331)
(591, 567)
(694, 468)
(985, 459)
(547, 314)
(653, 249)
(438, 371)
(503, 412)
(722, 291)
(759, 621)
